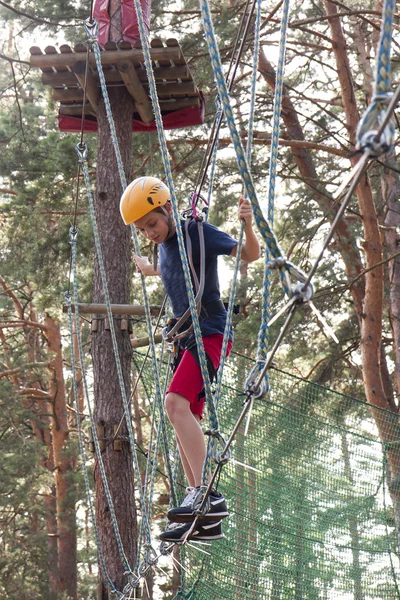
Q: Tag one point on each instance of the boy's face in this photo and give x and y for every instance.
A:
(156, 226)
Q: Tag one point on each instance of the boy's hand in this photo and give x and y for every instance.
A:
(245, 211)
(143, 265)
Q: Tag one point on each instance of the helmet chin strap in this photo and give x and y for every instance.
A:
(170, 225)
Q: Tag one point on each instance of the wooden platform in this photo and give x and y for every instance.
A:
(123, 65)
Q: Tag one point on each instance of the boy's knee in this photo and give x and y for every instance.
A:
(176, 405)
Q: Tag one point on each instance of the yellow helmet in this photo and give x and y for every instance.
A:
(141, 196)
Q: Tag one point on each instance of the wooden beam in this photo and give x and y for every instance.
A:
(113, 76)
(144, 341)
(135, 88)
(110, 57)
(166, 92)
(92, 90)
(116, 309)
(75, 110)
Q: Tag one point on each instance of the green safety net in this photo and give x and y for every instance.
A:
(313, 517)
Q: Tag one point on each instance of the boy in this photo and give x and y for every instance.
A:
(145, 203)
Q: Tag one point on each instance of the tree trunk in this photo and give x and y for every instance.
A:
(115, 241)
(63, 463)
(371, 315)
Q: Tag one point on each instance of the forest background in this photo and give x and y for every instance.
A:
(46, 541)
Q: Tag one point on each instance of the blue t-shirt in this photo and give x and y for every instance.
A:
(216, 243)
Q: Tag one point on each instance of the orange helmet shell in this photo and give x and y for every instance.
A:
(141, 196)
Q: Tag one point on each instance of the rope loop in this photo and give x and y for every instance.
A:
(279, 262)
(82, 152)
(92, 29)
(73, 234)
(367, 132)
(221, 458)
(253, 385)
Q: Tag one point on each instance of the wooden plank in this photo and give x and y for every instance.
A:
(75, 110)
(168, 105)
(156, 43)
(71, 95)
(51, 51)
(139, 93)
(135, 88)
(173, 43)
(116, 309)
(107, 58)
(92, 89)
(36, 51)
(113, 76)
(186, 88)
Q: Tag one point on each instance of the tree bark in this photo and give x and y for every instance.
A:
(372, 310)
(63, 463)
(115, 241)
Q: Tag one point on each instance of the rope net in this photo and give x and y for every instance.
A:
(312, 518)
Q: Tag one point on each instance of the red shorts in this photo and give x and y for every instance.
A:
(188, 381)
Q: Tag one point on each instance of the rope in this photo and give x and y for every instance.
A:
(262, 223)
(374, 115)
(73, 236)
(146, 505)
(263, 334)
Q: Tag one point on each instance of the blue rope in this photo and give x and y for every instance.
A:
(93, 426)
(263, 334)
(145, 505)
(103, 276)
(376, 112)
(262, 223)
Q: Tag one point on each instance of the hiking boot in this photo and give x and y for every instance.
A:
(186, 512)
(176, 532)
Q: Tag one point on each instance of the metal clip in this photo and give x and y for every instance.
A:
(73, 234)
(68, 297)
(81, 150)
(92, 29)
(221, 458)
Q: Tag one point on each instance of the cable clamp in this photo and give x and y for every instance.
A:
(221, 458)
(369, 142)
(82, 151)
(92, 29)
(253, 386)
(68, 298)
(166, 548)
(144, 569)
(303, 294)
(73, 234)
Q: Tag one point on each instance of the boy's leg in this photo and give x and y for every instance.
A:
(191, 441)
(185, 463)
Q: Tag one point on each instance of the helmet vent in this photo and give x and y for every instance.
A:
(150, 201)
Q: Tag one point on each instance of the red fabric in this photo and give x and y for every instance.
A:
(187, 380)
(130, 29)
(100, 13)
(185, 117)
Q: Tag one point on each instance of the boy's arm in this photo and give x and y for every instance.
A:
(143, 266)
(251, 250)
